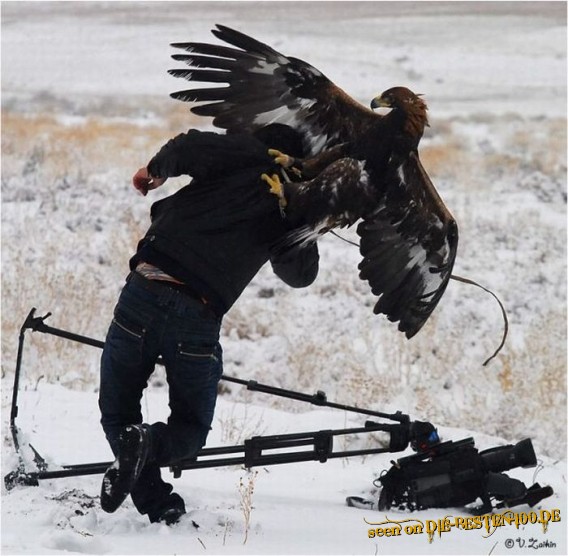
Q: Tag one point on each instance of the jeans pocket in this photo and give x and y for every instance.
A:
(126, 337)
(203, 360)
(126, 326)
(197, 353)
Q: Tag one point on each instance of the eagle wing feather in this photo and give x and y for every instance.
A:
(408, 237)
(408, 245)
(264, 87)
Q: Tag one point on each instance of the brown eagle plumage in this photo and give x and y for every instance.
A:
(360, 165)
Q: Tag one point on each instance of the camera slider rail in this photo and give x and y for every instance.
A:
(256, 451)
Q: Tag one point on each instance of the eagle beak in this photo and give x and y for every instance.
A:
(380, 102)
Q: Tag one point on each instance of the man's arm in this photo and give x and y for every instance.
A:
(202, 155)
(298, 265)
(170, 161)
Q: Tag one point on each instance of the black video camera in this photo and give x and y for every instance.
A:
(454, 474)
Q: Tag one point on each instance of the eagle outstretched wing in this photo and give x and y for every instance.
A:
(408, 237)
(409, 246)
(264, 86)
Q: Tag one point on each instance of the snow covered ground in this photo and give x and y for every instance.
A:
(85, 103)
(297, 509)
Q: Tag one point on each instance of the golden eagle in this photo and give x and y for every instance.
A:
(360, 165)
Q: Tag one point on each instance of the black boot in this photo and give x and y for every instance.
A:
(121, 476)
(170, 510)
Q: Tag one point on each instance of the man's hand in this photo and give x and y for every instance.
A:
(144, 182)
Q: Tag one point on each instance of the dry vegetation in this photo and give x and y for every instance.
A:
(56, 255)
(56, 149)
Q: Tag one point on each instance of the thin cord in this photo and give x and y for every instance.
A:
(503, 312)
(343, 239)
(471, 283)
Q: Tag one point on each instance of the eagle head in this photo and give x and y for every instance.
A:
(401, 99)
(398, 97)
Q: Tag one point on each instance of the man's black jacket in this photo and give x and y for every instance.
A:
(216, 233)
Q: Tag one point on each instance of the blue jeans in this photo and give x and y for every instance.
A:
(150, 322)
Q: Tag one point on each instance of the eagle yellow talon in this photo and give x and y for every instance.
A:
(280, 158)
(275, 187)
(285, 160)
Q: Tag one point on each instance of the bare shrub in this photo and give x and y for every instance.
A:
(237, 424)
(246, 491)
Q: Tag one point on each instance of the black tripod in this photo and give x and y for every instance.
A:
(259, 450)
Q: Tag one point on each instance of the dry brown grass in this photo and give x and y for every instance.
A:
(443, 160)
(527, 145)
(56, 162)
(524, 386)
(85, 144)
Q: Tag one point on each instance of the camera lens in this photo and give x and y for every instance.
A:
(508, 457)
